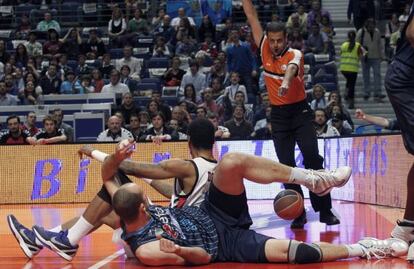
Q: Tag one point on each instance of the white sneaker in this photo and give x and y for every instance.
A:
(321, 182)
(380, 249)
(410, 255)
(404, 231)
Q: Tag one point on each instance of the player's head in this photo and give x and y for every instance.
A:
(129, 202)
(201, 135)
(277, 37)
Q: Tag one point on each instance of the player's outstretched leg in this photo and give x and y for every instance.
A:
(24, 236)
(231, 170)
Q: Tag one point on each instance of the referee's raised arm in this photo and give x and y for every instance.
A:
(254, 22)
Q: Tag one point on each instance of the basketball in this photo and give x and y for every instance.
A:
(288, 204)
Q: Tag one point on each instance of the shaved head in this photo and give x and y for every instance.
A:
(127, 200)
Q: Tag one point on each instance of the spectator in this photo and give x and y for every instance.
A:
(157, 20)
(128, 107)
(217, 88)
(359, 11)
(173, 124)
(115, 85)
(48, 23)
(264, 132)
(14, 134)
(97, 81)
(240, 99)
(193, 76)
(174, 74)
(334, 109)
(24, 27)
(83, 68)
(295, 23)
(182, 117)
(70, 83)
(159, 131)
(217, 70)
(351, 53)
(85, 85)
(50, 82)
(93, 47)
(295, 40)
(4, 55)
(160, 48)
(370, 38)
(144, 120)
(6, 99)
(319, 100)
(116, 27)
(163, 107)
(21, 56)
(71, 43)
(263, 122)
(211, 105)
(50, 133)
(175, 22)
(321, 126)
(34, 48)
(234, 87)
(327, 27)
(206, 29)
(29, 95)
(186, 46)
(317, 41)
(392, 26)
(114, 132)
(209, 46)
(153, 107)
(52, 47)
(133, 63)
(106, 67)
(201, 112)
(316, 14)
(337, 121)
(221, 131)
(222, 36)
(135, 127)
(191, 98)
(128, 80)
(165, 29)
(239, 128)
(260, 110)
(138, 25)
(30, 124)
(57, 113)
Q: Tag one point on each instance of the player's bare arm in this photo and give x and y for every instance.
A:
(253, 19)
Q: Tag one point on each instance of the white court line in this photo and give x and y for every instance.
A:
(108, 259)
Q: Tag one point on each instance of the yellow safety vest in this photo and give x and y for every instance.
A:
(349, 59)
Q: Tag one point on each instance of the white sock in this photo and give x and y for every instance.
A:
(38, 242)
(79, 230)
(99, 155)
(355, 250)
(56, 229)
(298, 176)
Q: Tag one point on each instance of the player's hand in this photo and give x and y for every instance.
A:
(85, 150)
(359, 114)
(282, 90)
(169, 246)
(125, 149)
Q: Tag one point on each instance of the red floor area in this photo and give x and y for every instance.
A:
(98, 251)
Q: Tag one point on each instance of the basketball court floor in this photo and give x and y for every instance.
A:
(98, 251)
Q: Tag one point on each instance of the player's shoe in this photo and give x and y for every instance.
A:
(404, 231)
(321, 182)
(25, 237)
(410, 255)
(57, 242)
(380, 249)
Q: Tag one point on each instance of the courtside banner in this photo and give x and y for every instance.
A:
(56, 174)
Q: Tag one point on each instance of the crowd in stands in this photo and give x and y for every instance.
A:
(214, 65)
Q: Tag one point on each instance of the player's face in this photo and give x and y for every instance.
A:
(277, 42)
(13, 126)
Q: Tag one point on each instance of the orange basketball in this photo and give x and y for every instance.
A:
(288, 204)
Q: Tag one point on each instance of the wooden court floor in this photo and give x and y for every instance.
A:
(98, 251)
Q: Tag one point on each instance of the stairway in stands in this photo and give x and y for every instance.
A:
(338, 10)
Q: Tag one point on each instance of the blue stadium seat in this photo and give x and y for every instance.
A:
(148, 86)
(87, 126)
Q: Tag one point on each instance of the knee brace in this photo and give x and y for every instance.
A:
(300, 252)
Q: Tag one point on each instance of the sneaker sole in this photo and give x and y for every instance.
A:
(348, 176)
(51, 246)
(19, 239)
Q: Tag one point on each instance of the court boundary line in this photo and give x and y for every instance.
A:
(107, 259)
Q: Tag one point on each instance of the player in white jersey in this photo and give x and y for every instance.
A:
(191, 182)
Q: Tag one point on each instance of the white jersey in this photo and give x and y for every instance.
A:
(204, 172)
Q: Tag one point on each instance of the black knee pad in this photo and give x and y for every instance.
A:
(300, 252)
(121, 178)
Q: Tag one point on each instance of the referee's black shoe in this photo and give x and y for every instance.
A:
(328, 218)
(299, 222)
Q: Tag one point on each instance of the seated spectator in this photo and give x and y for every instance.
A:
(135, 127)
(14, 134)
(30, 124)
(106, 67)
(116, 27)
(318, 95)
(185, 46)
(160, 48)
(182, 117)
(321, 124)
(217, 70)
(334, 98)
(173, 124)
(21, 56)
(63, 65)
(239, 128)
(327, 27)
(48, 23)
(263, 122)
(240, 99)
(144, 120)
(211, 105)
(217, 14)
(157, 20)
(6, 99)
(82, 69)
(294, 23)
(97, 81)
(93, 47)
(295, 40)
(4, 55)
(234, 87)
(191, 98)
(153, 108)
(114, 132)
(175, 22)
(138, 25)
(174, 74)
(29, 95)
(85, 85)
(260, 109)
(209, 47)
(70, 83)
(317, 41)
(217, 88)
(165, 29)
(24, 27)
(11, 86)
(316, 14)
(337, 121)
(334, 109)
(133, 63)
(206, 29)
(34, 48)
(128, 80)
(128, 107)
(57, 113)
(71, 43)
(159, 131)
(33, 78)
(221, 131)
(52, 47)
(114, 84)
(50, 81)
(201, 112)
(264, 132)
(163, 107)
(50, 133)
(18, 80)
(193, 76)
(222, 36)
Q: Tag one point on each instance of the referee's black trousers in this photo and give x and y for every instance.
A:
(293, 124)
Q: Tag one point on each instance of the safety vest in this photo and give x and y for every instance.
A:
(349, 59)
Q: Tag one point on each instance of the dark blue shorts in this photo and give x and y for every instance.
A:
(399, 84)
(232, 220)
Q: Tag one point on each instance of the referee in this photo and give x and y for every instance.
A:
(291, 116)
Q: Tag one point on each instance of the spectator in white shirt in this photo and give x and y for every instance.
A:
(114, 85)
(181, 14)
(131, 61)
(193, 76)
(114, 132)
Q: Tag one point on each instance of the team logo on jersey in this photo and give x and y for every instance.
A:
(283, 67)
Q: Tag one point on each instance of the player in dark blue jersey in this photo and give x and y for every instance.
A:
(399, 83)
(219, 229)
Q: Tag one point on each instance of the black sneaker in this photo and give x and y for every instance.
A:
(328, 218)
(25, 237)
(299, 222)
